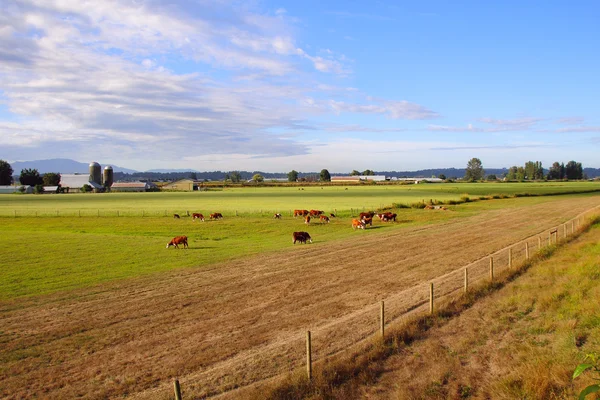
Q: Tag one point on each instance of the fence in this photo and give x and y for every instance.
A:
(347, 332)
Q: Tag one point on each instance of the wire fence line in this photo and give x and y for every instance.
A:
(340, 335)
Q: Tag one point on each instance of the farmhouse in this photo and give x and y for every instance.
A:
(15, 189)
(132, 186)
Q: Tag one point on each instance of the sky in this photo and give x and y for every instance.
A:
(304, 85)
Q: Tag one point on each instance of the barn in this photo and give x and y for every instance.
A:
(185, 185)
(76, 181)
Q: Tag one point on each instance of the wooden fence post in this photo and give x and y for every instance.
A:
(236, 213)
(466, 280)
(492, 269)
(431, 298)
(526, 250)
(572, 228)
(177, 390)
(565, 231)
(382, 319)
(510, 258)
(308, 356)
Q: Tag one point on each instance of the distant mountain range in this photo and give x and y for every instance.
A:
(68, 166)
(63, 166)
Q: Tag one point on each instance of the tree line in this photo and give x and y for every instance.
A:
(532, 170)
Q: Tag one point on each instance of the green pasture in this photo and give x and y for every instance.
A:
(65, 251)
(254, 200)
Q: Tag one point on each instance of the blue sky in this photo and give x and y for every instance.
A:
(277, 85)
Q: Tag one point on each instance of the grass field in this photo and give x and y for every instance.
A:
(74, 252)
(97, 307)
(268, 199)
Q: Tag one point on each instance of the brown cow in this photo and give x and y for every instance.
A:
(176, 216)
(301, 237)
(216, 216)
(367, 221)
(277, 216)
(324, 218)
(389, 217)
(315, 213)
(302, 213)
(177, 240)
(196, 216)
(369, 214)
(358, 224)
(307, 220)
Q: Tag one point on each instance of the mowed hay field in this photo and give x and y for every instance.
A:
(97, 307)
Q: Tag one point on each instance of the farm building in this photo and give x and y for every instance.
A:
(132, 186)
(185, 185)
(75, 182)
(15, 189)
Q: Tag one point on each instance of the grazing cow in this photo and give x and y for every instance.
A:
(302, 213)
(216, 216)
(176, 216)
(196, 216)
(429, 207)
(315, 213)
(324, 218)
(307, 220)
(177, 241)
(332, 215)
(367, 221)
(363, 215)
(277, 216)
(301, 237)
(358, 224)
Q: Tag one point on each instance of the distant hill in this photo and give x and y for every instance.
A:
(63, 166)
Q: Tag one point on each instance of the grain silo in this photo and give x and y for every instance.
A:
(108, 176)
(95, 173)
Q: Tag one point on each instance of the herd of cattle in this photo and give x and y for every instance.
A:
(365, 219)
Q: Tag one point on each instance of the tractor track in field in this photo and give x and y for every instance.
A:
(242, 321)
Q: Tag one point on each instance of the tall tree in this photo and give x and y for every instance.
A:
(534, 170)
(554, 171)
(292, 176)
(235, 176)
(512, 173)
(368, 172)
(325, 176)
(574, 170)
(258, 178)
(520, 176)
(6, 173)
(30, 176)
(354, 173)
(474, 171)
(51, 179)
